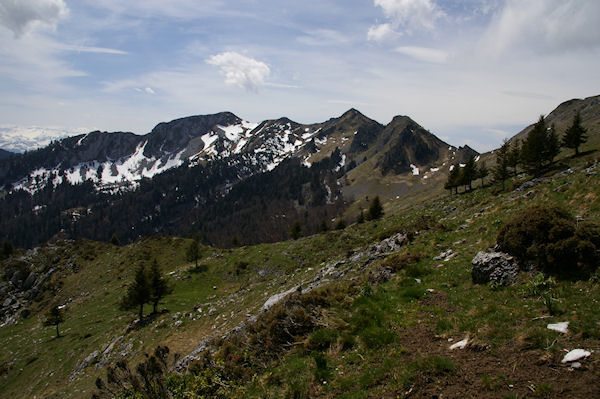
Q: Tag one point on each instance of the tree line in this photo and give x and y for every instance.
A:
(534, 155)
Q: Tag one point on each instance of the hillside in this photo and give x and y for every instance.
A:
(376, 318)
(5, 154)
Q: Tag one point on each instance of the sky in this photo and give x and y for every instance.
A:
(471, 71)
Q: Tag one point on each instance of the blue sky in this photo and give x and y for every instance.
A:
(471, 71)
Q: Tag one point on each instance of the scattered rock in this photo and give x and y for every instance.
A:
(446, 255)
(494, 266)
(390, 244)
(561, 327)
(462, 227)
(575, 354)
(530, 184)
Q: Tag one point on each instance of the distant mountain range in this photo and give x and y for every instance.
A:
(28, 138)
(119, 161)
(229, 179)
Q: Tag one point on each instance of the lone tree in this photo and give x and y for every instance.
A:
(193, 251)
(575, 134)
(375, 209)
(53, 318)
(138, 293)
(501, 168)
(159, 288)
(296, 230)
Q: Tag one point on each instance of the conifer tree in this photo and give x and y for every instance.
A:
(323, 227)
(138, 293)
(159, 288)
(575, 135)
(469, 173)
(53, 318)
(501, 168)
(514, 155)
(193, 251)
(482, 172)
(535, 150)
(114, 240)
(453, 179)
(552, 147)
(375, 209)
(296, 230)
(361, 217)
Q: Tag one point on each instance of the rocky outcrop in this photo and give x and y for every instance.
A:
(494, 266)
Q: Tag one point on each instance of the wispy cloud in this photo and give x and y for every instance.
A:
(89, 49)
(544, 27)
(425, 54)
(323, 37)
(241, 71)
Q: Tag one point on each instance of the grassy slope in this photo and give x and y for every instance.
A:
(503, 321)
(513, 354)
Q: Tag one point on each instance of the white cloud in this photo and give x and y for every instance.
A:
(425, 54)
(241, 71)
(21, 15)
(408, 15)
(381, 32)
(149, 90)
(544, 26)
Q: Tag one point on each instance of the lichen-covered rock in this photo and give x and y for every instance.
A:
(494, 266)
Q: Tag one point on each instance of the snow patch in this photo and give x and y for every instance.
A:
(575, 354)
(415, 170)
(562, 327)
(460, 344)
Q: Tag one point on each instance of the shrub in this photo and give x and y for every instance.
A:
(547, 237)
(322, 339)
(400, 261)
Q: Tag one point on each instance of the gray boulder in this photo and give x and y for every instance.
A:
(494, 266)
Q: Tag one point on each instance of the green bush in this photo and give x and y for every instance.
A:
(548, 238)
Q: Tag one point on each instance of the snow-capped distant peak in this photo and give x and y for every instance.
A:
(27, 138)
